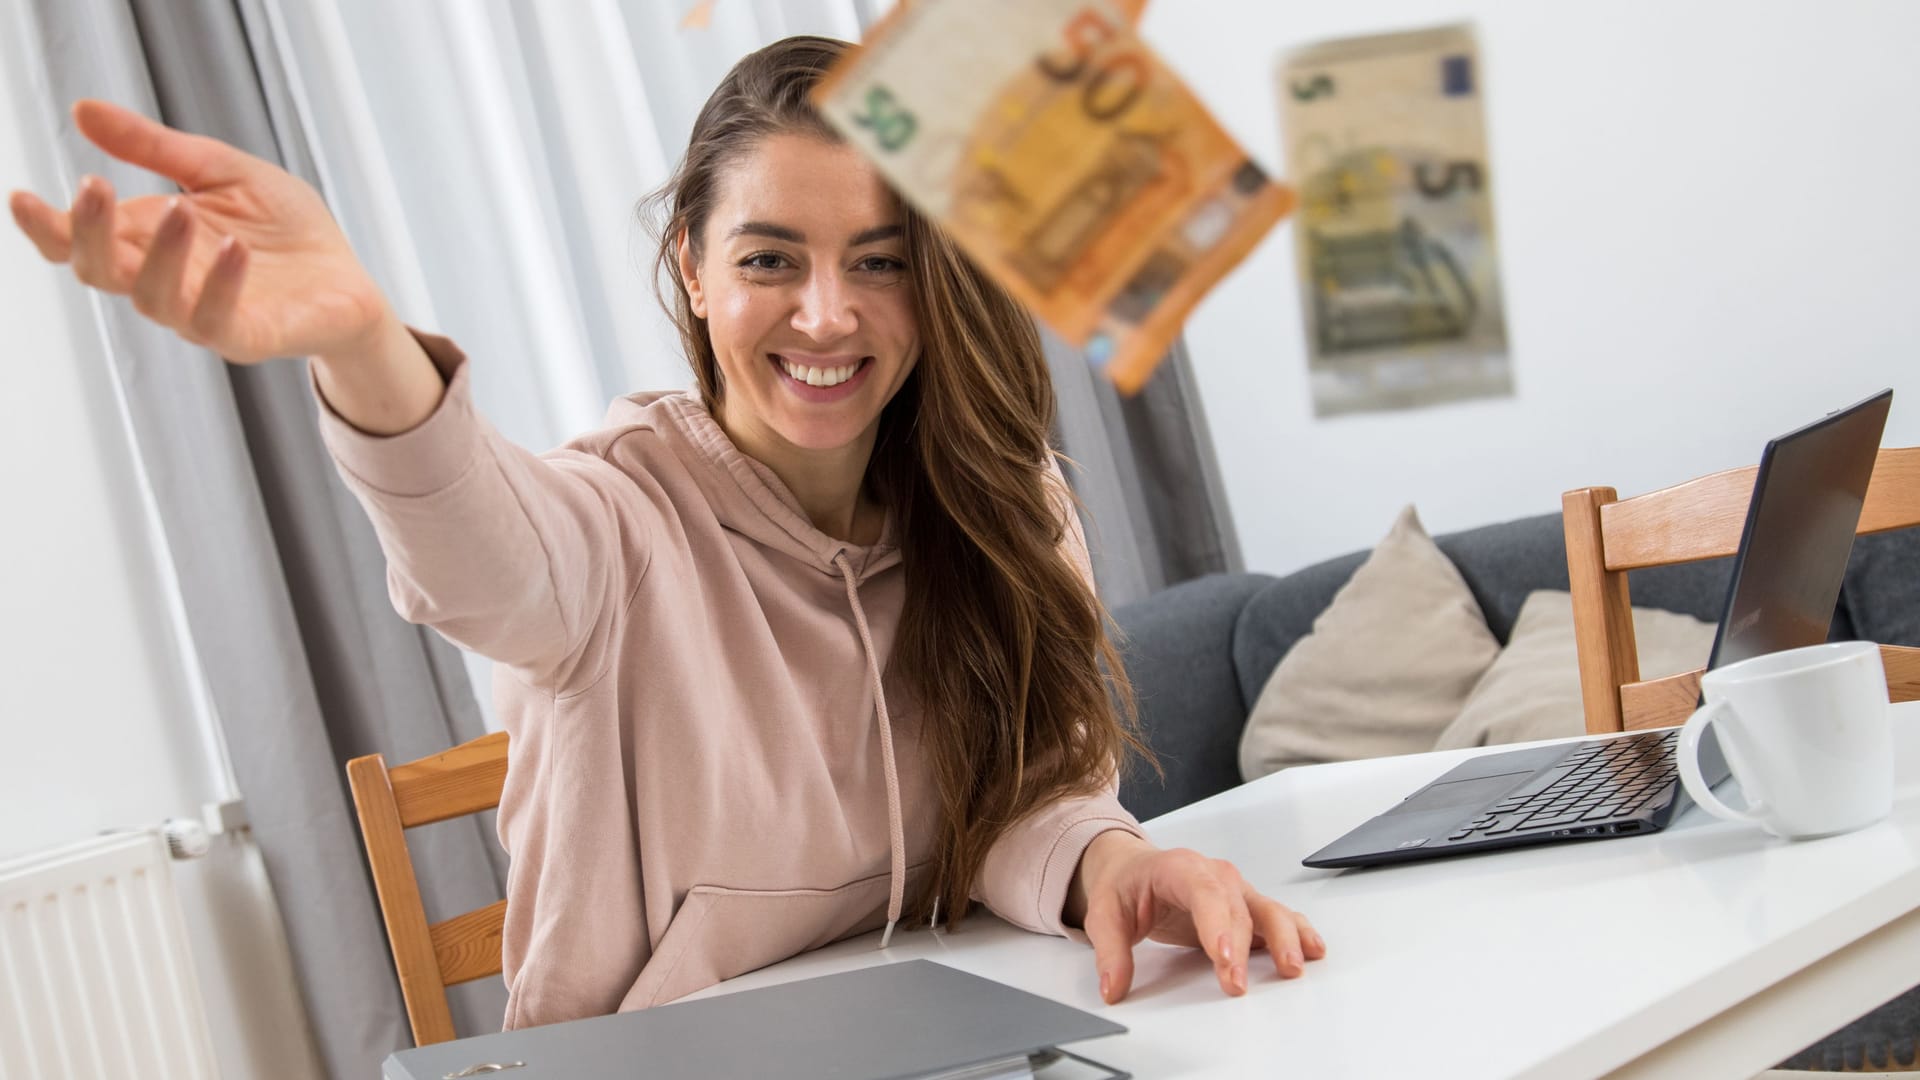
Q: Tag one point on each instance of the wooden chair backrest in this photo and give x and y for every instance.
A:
(429, 958)
(1701, 519)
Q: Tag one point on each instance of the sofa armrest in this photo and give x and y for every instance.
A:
(1178, 649)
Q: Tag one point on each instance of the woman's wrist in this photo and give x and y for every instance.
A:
(1108, 850)
(382, 382)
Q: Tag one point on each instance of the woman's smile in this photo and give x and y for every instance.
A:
(822, 379)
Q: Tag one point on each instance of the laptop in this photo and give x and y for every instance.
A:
(1786, 582)
(913, 1019)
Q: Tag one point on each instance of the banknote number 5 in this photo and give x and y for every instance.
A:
(892, 125)
(1455, 174)
(1117, 80)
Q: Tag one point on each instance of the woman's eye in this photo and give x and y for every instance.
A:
(765, 260)
(882, 264)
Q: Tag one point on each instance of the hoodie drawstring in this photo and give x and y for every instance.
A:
(896, 832)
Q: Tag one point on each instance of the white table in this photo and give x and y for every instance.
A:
(1706, 950)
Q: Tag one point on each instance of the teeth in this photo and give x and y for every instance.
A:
(813, 376)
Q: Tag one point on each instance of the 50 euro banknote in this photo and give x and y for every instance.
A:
(1064, 157)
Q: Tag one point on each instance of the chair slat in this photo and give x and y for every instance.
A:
(1903, 672)
(1702, 519)
(1893, 495)
(1659, 703)
(468, 946)
(463, 780)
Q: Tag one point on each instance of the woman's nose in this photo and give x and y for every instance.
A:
(825, 313)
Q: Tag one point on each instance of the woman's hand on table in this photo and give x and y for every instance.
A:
(1126, 891)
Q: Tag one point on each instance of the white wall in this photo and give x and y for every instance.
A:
(98, 720)
(1709, 235)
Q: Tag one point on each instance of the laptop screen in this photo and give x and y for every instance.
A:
(1799, 533)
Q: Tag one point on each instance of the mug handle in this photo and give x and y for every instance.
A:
(1687, 754)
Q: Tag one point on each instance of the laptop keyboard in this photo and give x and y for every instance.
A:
(1596, 787)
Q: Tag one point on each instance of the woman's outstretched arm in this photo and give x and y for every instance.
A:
(512, 555)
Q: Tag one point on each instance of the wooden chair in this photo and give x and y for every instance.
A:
(429, 958)
(1701, 519)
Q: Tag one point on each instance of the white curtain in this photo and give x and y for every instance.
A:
(486, 158)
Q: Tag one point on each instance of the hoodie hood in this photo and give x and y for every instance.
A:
(746, 495)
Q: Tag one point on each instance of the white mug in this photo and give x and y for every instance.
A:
(1805, 731)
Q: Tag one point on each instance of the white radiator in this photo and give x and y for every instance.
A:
(96, 976)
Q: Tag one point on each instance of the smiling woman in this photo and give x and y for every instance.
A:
(799, 656)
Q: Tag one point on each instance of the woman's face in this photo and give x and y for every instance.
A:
(802, 279)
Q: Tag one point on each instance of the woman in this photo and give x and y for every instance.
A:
(802, 655)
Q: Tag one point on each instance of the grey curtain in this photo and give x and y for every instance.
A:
(281, 577)
(1147, 475)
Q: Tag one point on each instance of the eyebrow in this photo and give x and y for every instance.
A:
(793, 236)
(877, 234)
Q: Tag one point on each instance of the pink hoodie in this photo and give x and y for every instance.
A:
(709, 771)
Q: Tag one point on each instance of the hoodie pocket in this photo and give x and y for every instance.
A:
(719, 933)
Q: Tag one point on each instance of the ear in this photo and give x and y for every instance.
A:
(690, 274)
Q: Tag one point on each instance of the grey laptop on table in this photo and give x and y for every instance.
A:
(1786, 582)
(911, 1019)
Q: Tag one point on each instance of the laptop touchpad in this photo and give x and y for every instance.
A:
(1480, 789)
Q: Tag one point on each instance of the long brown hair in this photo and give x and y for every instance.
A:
(1002, 640)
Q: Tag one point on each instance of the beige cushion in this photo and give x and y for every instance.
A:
(1385, 668)
(1533, 690)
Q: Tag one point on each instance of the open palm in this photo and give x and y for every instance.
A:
(247, 261)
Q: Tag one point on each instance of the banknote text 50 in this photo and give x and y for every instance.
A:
(893, 126)
(1117, 80)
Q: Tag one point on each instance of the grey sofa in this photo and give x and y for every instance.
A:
(1200, 652)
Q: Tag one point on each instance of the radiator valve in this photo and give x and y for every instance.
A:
(186, 838)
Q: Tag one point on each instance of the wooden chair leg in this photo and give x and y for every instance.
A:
(1602, 611)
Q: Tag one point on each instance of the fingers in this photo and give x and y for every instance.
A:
(158, 288)
(161, 292)
(48, 228)
(1282, 934)
(194, 161)
(93, 253)
(220, 295)
(1113, 936)
(158, 282)
(1212, 893)
(1311, 942)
